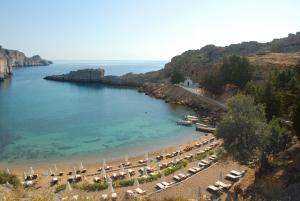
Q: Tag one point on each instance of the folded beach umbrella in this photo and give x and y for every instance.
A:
(110, 187)
(69, 187)
(81, 165)
(104, 163)
(128, 174)
(7, 170)
(122, 168)
(55, 168)
(31, 170)
(103, 173)
(136, 183)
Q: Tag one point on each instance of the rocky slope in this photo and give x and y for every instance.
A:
(14, 58)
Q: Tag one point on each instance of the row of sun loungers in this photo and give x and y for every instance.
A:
(220, 186)
(162, 185)
(113, 196)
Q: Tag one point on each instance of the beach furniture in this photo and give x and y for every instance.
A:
(213, 189)
(114, 196)
(192, 170)
(213, 157)
(182, 176)
(237, 173)
(77, 178)
(129, 194)
(159, 186)
(108, 167)
(83, 171)
(159, 157)
(54, 181)
(97, 179)
(205, 162)
(131, 172)
(142, 161)
(232, 177)
(28, 183)
(70, 173)
(166, 184)
(78, 171)
(176, 178)
(197, 169)
(140, 191)
(99, 169)
(60, 174)
(71, 179)
(104, 197)
(169, 155)
(222, 185)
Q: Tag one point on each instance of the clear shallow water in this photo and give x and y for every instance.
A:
(44, 120)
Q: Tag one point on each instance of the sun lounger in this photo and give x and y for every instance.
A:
(131, 172)
(28, 183)
(54, 181)
(237, 173)
(159, 186)
(205, 162)
(192, 170)
(166, 184)
(108, 167)
(213, 189)
(197, 169)
(182, 176)
(232, 177)
(176, 178)
(223, 185)
(129, 194)
(114, 196)
(140, 191)
(104, 197)
(97, 179)
(61, 174)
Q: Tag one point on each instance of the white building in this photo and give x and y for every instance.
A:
(188, 83)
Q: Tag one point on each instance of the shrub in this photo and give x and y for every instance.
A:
(60, 188)
(178, 166)
(93, 187)
(10, 178)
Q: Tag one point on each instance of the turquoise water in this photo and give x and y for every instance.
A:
(44, 120)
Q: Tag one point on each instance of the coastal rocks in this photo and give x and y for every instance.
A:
(84, 75)
(14, 58)
(5, 69)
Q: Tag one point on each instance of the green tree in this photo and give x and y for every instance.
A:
(296, 118)
(236, 70)
(278, 139)
(271, 100)
(176, 77)
(243, 128)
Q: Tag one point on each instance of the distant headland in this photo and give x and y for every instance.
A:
(15, 58)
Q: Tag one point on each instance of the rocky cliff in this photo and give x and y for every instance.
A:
(14, 58)
(84, 75)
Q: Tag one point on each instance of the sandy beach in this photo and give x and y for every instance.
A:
(190, 188)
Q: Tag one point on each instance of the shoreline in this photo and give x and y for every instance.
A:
(93, 159)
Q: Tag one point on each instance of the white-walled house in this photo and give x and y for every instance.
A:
(188, 83)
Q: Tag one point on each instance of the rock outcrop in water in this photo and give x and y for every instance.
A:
(84, 75)
(14, 58)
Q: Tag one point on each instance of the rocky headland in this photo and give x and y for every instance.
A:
(14, 58)
(277, 54)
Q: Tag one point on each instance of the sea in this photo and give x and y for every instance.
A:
(43, 121)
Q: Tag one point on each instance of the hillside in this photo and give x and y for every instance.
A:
(15, 58)
(278, 53)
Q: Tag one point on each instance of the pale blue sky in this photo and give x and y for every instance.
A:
(139, 29)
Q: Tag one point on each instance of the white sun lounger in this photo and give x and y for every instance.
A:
(223, 185)
(160, 186)
(166, 184)
(140, 191)
(237, 173)
(114, 196)
(104, 197)
(192, 170)
(176, 178)
(232, 177)
(182, 176)
(213, 189)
